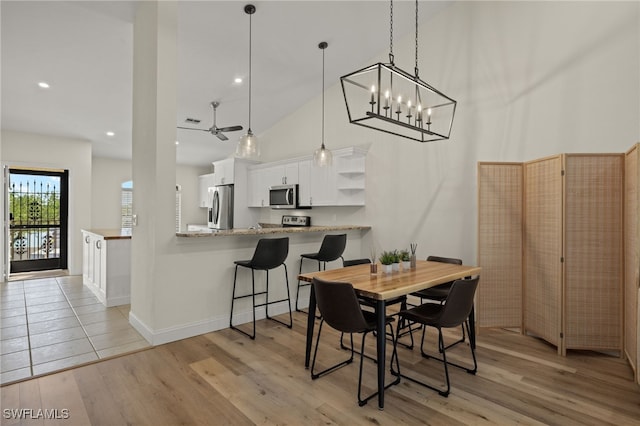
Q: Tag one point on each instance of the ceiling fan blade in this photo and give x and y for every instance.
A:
(230, 129)
(221, 136)
(192, 128)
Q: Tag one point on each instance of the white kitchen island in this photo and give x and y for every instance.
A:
(106, 264)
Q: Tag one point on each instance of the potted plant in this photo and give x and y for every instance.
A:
(386, 259)
(396, 261)
(405, 258)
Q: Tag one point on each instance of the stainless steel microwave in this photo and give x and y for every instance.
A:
(283, 197)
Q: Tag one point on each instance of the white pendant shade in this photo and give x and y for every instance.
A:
(248, 147)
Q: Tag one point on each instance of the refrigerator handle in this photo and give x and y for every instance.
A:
(216, 207)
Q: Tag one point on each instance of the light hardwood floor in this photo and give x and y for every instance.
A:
(225, 378)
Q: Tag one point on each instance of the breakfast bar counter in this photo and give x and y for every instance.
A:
(271, 229)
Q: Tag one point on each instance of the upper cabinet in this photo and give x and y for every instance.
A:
(317, 186)
(342, 184)
(257, 191)
(282, 174)
(223, 172)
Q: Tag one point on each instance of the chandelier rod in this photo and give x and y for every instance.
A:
(416, 69)
(391, 34)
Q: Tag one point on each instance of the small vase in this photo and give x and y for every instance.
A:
(374, 268)
(387, 269)
(396, 266)
(412, 262)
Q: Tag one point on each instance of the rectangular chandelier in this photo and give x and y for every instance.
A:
(384, 97)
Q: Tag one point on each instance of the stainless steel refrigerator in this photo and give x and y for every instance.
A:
(220, 212)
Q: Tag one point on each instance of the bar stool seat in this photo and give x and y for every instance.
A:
(270, 253)
(331, 249)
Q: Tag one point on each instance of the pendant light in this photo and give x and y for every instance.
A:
(386, 98)
(248, 144)
(322, 157)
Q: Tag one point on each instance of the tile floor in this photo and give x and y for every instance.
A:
(49, 324)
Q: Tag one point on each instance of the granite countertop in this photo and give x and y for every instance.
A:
(112, 234)
(270, 229)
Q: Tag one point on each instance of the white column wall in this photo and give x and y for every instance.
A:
(154, 167)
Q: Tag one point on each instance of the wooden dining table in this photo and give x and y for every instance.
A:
(381, 287)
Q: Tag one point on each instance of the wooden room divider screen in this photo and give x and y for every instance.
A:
(500, 191)
(570, 227)
(543, 249)
(632, 258)
(593, 250)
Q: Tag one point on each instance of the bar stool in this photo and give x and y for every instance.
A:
(331, 249)
(269, 254)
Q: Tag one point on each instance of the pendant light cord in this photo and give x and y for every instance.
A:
(323, 97)
(250, 79)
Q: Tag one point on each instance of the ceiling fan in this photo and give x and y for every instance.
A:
(215, 130)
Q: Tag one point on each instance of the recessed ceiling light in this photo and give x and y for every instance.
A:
(237, 80)
(177, 143)
(43, 85)
(110, 134)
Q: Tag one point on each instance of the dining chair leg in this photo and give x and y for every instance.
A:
(299, 285)
(363, 401)
(315, 375)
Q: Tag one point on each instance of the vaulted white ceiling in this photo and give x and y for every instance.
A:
(84, 49)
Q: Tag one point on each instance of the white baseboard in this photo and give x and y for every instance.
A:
(172, 334)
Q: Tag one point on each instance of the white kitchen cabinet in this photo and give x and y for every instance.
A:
(106, 266)
(317, 185)
(282, 174)
(204, 182)
(257, 191)
(224, 172)
(342, 184)
(262, 177)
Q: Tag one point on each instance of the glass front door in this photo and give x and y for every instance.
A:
(38, 207)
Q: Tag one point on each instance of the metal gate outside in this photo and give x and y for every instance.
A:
(38, 219)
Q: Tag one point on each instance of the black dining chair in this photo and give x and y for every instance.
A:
(340, 308)
(270, 253)
(453, 313)
(331, 249)
(438, 293)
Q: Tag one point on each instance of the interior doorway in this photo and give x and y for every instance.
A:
(38, 219)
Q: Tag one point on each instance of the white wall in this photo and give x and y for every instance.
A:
(108, 174)
(32, 150)
(531, 79)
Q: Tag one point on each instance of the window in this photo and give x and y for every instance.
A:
(126, 203)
